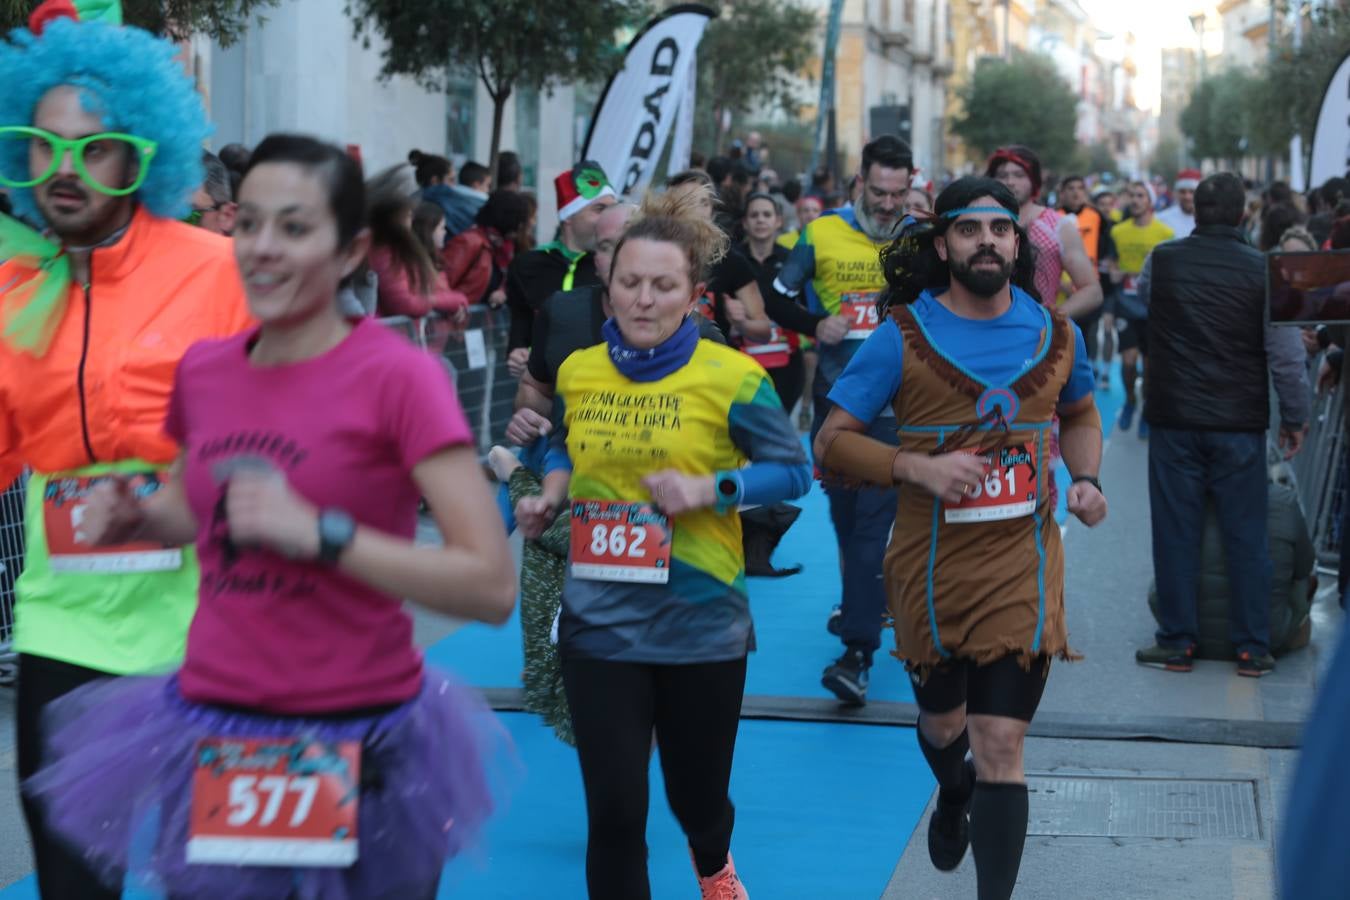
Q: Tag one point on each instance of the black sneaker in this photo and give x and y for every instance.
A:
(847, 678)
(1255, 666)
(1173, 659)
(949, 828)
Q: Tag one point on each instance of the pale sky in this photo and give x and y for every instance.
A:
(1156, 24)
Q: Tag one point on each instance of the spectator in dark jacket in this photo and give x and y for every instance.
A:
(476, 260)
(1207, 401)
(461, 202)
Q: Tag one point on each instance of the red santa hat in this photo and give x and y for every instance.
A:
(580, 187)
(1188, 179)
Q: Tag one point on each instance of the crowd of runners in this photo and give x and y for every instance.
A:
(227, 456)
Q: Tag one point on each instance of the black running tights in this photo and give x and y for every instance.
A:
(61, 875)
(695, 710)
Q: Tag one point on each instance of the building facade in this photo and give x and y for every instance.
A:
(1099, 68)
(302, 70)
(1180, 75)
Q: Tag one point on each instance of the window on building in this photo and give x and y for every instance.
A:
(461, 114)
(527, 135)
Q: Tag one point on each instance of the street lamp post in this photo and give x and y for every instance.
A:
(1198, 23)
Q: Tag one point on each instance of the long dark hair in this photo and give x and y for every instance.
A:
(911, 263)
(504, 210)
(426, 217)
(390, 199)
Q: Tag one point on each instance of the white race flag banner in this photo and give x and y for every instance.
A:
(633, 118)
(682, 143)
(1331, 140)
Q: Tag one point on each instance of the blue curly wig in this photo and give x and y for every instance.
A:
(130, 79)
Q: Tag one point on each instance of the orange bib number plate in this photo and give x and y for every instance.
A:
(774, 353)
(275, 802)
(861, 312)
(68, 549)
(1008, 491)
(618, 541)
(777, 343)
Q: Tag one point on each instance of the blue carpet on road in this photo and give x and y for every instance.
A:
(822, 811)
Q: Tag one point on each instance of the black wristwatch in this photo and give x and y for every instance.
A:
(336, 531)
(1092, 480)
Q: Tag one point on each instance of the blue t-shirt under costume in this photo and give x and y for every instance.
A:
(995, 351)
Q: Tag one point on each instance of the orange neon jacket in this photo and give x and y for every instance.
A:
(101, 392)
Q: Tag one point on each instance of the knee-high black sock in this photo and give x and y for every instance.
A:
(949, 766)
(998, 829)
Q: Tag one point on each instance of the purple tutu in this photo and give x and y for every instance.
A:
(119, 757)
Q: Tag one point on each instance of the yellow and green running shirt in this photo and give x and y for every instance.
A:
(835, 263)
(715, 414)
(1134, 243)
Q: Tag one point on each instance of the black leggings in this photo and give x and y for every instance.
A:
(789, 381)
(60, 873)
(695, 710)
(1001, 688)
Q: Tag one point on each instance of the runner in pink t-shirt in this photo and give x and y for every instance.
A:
(302, 750)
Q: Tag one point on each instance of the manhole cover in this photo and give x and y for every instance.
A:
(1142, 807)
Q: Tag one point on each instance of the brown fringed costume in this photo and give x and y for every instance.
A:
(983, 580)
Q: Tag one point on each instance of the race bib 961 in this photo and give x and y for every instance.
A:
(1008, 491)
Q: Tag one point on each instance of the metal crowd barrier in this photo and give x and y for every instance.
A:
(11, 563)
(1319, 471)
(474, 353)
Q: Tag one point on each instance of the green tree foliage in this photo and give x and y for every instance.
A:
(752, 57)
(1235, 114)
(1286, 99)
(1020, 101)
(1216, 120)
(222, 20)
(508, 44)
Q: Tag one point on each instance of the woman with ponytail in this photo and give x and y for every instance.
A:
(659, 436)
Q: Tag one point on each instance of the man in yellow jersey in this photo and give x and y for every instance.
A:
(836, 263)
(1135, 239)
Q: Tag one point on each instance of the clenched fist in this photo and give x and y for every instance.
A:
(263, 511)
